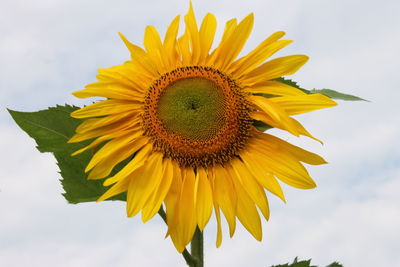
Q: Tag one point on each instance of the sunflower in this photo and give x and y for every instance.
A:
(184, 119)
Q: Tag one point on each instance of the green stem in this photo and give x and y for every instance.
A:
(197, 248)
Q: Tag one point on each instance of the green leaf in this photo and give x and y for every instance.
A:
(51, 129)
(328, 92)
(305, 263)
(335, 264)
(337, 95)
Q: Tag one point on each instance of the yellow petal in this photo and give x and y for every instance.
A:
(301, 104)
(170, 42)
(140, 56)
(134, 49)
(234, 44)
(109, 90)
(275, 112)
(275, 68)
(171, 200)
(153, 45)
(299, 153)
(207, 32)
(104, 167)
(92, 124)
(106, 107)
(133, 165)
(111, 147)
(158, 196)
(219, 228)
(117, 127)
(265, 118)
(262, 174)
(183, 49)
(172, 32)
(230, 26)
(256, 57)
(225, 196)
(116, 189)
(143, 182)
(300, 128)
(250, 185)
(187, 214)
(101, 140)
(131, 76)
(246, 210)
(193, 33)
(240, 63)
(204, 199)
(282, 164)
(274, 88)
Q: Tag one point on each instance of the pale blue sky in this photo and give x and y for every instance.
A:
(50, 48)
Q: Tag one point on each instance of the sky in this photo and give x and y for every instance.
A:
(49, 49)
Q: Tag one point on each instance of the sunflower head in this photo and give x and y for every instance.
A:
(197, 116)
(184, 117)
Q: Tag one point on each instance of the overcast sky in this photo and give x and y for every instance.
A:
(50, 48)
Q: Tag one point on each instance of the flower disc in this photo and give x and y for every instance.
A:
(197, 116)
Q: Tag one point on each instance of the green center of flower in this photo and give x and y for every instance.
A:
(192, 108)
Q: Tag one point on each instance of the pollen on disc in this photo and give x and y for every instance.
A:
(192, 108)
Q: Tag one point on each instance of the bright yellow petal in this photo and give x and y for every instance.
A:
(115, 128)
(282, 164)
(230, 27)
(231, 48)
(193, 33)
(274, 69)
(275, 112)
(301, 104)
(184, 49)
(207, 32)
(172, 32)
(111, 147)
(265, 118)
(133, 165)
(171, 200)
(92, 124)
(104, 167)
(158, 196)
(299, 153)
(106, 107)
(251, 57)
(250, 185)
(109, 90)
(219, 228)
(116, 189)
(246, 210)
(225, 196)
(143, 182)
(187, 215)
(128, 74)
(140, 56)
(153, 45)
(204, 199)
(256, 57)
(274, 88)
(170, 42)
(263, 176)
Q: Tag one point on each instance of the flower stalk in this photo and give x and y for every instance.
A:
(197, 249)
